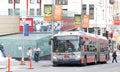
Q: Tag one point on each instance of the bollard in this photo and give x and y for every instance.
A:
(30, 63)
(8, 63)
(22, 61)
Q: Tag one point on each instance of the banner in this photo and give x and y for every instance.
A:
(77, 20)
(47, 12)
(85, 21)
(26, 7)
(57, 12)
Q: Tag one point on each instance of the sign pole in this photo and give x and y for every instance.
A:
(52, 27)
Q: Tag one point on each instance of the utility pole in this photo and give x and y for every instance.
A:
(81, 16)
(52, 28)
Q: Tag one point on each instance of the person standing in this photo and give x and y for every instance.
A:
(114, 55)
(36, 53)
(29, 52)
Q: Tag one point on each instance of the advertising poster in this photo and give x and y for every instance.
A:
(45, 26)
(77, 20)
(85, 21)
(47, 12)
(57, 12)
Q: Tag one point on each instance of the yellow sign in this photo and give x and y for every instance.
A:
(77, 19)
(117, 38)
(47, 12)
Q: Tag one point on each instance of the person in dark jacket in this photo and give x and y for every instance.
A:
(114, 55)
(36, 54)
(2, 50)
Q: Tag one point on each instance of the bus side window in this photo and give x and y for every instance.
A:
(95, 49)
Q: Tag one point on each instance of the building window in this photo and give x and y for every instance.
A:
(103, 14)
(10, 11)
(31, 12)
(64, 12)
(38, 1)
(10, 1)
(17, 1)
(61, 2)
(38, 11)
(91, 11)
(84, 6)
(17, 11)
(32, 1)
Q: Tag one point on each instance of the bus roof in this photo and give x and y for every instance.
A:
(69, 33)
(79, 34)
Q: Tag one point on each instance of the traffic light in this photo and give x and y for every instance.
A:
(106, 34)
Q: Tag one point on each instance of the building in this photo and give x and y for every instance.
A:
(99, 11)
(116, 10)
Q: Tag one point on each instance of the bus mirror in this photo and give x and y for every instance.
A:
(82, 42)
(50, 41)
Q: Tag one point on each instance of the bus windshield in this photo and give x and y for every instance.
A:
(66, 44)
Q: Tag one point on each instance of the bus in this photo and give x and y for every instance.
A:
(75, 47)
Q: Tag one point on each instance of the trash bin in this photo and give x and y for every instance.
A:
(26, 30)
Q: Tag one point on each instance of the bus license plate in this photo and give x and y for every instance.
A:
(66, 56)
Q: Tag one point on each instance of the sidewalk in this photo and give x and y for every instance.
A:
(16, 67)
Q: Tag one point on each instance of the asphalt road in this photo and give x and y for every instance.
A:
(46, 66)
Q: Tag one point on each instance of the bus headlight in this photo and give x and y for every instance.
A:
(77, 57)
(54, 58)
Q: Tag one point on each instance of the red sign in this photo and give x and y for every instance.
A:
(26, 21)
(66, 56)
(116, 22)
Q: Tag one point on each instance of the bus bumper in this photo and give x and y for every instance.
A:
(67, 62)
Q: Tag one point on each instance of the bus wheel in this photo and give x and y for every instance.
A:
(85, 61)
(55, 64)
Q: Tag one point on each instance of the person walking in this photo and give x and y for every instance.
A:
(2, 50)
(36, 54)
(114, 55)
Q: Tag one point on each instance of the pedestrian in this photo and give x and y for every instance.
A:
(29, 53)
(2, 50)
(36, 53)
(114, 55)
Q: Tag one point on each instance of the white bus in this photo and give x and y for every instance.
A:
(74, 47)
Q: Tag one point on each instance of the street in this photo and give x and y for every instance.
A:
(46, 66)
